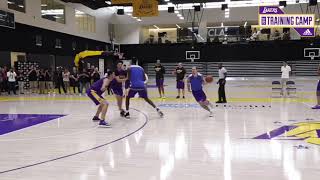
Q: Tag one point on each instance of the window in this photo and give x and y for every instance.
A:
(38, 40)
(85, 22)
(58, 44)
(74, 46)
(53, 11)
(18, 5)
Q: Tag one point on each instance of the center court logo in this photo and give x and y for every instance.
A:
(304, 131)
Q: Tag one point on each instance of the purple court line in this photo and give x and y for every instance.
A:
(84, 151)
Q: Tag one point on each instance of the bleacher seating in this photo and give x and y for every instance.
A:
(244, 68)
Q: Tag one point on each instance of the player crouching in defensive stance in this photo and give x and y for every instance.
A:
(138, 80)
(95, 94)
(195, 82)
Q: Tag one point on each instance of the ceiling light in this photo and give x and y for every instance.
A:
(178, 26)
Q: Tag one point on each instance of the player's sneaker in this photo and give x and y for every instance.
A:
(127, 115)
(183, 97)
(316, 107)
(160, 112)
(96, 118)
(122, 113)
(178, 97)
(104, 123)
(163, 97)
(211, 114)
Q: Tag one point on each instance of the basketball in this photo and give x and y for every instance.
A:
(209, 79)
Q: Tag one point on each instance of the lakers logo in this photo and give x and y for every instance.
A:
(145, 5)
(304, 131)
(145, 8)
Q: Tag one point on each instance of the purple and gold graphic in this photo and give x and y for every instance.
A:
(14, 122)
(275, 133)
(307, 131)
(273, 16)
(270, 10)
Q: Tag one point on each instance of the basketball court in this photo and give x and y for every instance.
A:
(255, 61)
(58, 140)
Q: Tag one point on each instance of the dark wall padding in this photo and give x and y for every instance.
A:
(23, 39)
(256, 51)
(64, 61)
(5, 59)
(44, 60)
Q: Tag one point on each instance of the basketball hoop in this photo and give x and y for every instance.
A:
(312, 53)
(192, 55)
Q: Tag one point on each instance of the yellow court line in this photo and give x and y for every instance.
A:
(169, 99)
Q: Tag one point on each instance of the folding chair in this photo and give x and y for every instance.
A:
(291, 87)
(276, 87)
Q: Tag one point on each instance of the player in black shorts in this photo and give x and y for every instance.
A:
(180, 73)
(160, 71)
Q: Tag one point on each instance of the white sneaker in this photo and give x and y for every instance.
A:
(211, 114)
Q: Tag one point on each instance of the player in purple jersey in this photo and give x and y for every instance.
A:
(195, 82)
(116, 86)
(318, 92)
(95, 94)
(138, 80)
(127, 82)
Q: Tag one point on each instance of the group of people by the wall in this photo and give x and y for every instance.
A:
(76, 81)
(44, 81)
